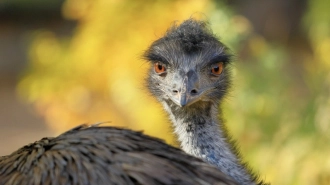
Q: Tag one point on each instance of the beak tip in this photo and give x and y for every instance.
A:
(183, 103)
(180, 103)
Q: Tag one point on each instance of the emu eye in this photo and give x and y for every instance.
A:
(217, 68)
(159, 68)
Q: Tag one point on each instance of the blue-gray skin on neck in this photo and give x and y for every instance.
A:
(200, 135)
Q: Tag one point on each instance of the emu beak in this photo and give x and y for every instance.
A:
(181, 99)
(186, 92)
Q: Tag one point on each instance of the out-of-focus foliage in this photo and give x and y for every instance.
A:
(98, 74)
(281, 121)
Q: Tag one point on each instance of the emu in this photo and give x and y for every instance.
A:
(190, 75)
(88, 155)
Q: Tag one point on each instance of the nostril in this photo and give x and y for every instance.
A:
(175, 91)
(193, 92)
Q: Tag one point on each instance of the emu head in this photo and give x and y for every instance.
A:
(189, 65)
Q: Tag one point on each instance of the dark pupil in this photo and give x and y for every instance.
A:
(160, 67)
(216, 69)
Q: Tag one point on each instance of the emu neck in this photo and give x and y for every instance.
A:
(198, 130)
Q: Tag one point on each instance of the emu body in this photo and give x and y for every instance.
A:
(105, 155)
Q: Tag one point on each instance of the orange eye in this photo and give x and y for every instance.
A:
(159, 68)
(217, 69)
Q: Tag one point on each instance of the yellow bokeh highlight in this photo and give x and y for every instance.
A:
(98, 75)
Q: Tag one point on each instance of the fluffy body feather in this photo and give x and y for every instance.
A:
(105, 155)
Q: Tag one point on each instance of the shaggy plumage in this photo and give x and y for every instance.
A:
(105, 155)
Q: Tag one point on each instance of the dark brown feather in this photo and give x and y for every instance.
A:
(105, 155)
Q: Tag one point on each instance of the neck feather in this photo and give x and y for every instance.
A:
(199, 131)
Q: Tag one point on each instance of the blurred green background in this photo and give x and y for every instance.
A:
(63, 63)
